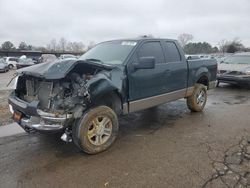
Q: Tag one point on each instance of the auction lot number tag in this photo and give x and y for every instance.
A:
(129, 43)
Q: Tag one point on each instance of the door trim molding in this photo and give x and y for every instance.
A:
(141, 104)
(156, 100)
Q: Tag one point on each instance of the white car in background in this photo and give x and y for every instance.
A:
(235, 69)
(67, 56)
(47, 58)
(11, 61)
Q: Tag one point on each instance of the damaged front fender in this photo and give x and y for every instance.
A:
(106, 82)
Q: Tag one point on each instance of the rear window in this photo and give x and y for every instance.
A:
(172, 52)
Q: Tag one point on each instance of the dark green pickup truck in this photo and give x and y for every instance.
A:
(84, 97)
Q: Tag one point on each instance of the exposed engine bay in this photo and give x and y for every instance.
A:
(54, 96)
(59, 96)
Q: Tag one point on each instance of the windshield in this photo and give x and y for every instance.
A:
(237, 59)
(113, 52)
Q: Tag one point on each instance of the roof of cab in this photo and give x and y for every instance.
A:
(143, 38)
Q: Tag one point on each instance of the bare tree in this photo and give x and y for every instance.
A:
(223, 45)
(53, 45)
(231, 46)
(75, 46)
(91, 45)
(62, 44)
(184, 38)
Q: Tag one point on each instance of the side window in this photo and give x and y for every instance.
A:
(172, 52)
(152, 49)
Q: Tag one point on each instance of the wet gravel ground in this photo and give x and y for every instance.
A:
(4, 93)
(5, 115)
(166, 146)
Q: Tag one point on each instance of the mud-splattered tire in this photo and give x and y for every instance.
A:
(96, 130)
(197, 101)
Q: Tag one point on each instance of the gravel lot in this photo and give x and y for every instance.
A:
(5, 115)
(166, 146)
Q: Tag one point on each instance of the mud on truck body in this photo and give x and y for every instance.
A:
(84, 97)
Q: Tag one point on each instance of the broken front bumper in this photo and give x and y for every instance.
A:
(31, 118)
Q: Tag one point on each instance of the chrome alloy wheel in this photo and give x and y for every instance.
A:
(99, 130)
(201, 98)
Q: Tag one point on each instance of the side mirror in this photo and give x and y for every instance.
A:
(145, 63)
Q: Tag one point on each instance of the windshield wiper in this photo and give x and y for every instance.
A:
(95, 60)
(99, 61)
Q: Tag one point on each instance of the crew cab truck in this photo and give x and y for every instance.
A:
(84, 97)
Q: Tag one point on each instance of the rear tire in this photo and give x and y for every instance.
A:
(96, 130)
(197, 101)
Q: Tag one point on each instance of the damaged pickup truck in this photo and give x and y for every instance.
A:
(84, 97)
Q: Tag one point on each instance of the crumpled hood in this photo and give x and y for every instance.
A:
(55, 70)
(234, 67)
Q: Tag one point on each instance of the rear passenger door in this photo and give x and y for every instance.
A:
(177, 70)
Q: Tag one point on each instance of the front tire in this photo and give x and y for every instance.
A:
(197, 101)
(96, 130)
(10, 67)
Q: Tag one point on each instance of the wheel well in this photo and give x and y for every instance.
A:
(203, 80)
(111, 99)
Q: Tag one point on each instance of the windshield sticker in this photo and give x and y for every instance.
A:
(129, 43)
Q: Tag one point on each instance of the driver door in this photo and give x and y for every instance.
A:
(144, 83)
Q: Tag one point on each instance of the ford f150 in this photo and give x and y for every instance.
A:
(84, 97)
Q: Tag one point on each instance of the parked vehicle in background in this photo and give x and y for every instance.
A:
(84, 97)
(235, 69)
(192, 57)
(24, 62)
(199, 56)
(3, 66)
(221, 57)
(11, 61)
(67, 56)
(47, 58)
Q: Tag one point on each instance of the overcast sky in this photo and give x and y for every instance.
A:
(39, 21)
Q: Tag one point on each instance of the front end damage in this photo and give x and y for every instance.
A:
(45, 102)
